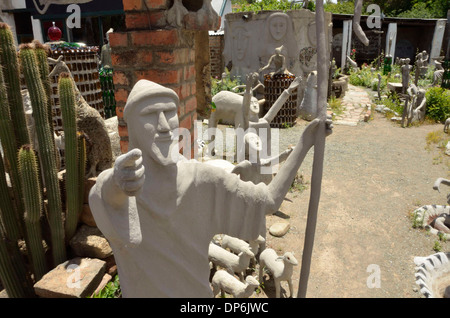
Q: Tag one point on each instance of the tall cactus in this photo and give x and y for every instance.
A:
(47, 150)
(13, 273)
(81, 166)
(67, 101)
(8, 57)
(14, 217)
(12, 269)
(33, 208)
(41, 51)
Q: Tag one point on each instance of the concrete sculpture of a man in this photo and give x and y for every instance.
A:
(160, 212)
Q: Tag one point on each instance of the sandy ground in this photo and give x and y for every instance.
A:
(375, 175)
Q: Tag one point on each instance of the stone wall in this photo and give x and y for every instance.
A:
(152, 48)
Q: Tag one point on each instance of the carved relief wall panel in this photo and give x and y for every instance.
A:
(251, 39)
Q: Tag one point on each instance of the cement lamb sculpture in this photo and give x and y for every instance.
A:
(229, 261)
(99, 151)
(235, 244)
(280, 267)
(224, 282)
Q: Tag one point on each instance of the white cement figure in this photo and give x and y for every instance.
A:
(277, 62)
(256, 169)
(235, 244)
(353, 64)
(357, 23)
(257, 86)
(176, 13)
(446, 125)
(308, 107)
(280, 267)
(105, 57)
(160, 211)
(262, 125)
(406, 70)
(232, 263)
(224, 282)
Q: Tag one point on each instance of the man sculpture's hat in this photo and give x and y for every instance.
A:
(145, 89)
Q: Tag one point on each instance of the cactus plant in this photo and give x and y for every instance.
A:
(41, 51)
(67, 101)
(81, 165)
(46, 150)
(33, 207)
(13, 273)
(10, 151)
(12, 269)
(8, 57)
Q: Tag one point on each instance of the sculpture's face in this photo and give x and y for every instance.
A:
(153, 131)
(278, 27)
(240, 42)
(253, 142)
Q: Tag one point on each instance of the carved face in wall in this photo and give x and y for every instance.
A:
(240, 42)
(278, 26)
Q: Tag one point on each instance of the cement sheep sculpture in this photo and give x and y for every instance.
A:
(230, 262)
(224, 282)
(280, 267)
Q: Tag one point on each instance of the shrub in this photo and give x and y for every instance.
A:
(438, 103)
(224, 84)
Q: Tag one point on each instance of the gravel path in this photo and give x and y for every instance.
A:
(375, 175)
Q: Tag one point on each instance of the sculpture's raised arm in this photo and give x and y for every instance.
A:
(283, 179)
(273, 111)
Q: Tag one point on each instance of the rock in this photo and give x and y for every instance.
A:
(88, 184)
(4, 294)
(86, 216)
(395, 87)
(112, 125)
(76, 278)
(447, 149)
(111, 267)
(90, 242)
(106, 279)
(279, 229)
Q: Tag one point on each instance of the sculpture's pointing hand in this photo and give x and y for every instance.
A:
(129, 172)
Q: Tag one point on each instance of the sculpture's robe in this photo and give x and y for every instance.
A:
(163, 252)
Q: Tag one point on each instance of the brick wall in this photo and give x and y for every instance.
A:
(216, 44)
(150, 49)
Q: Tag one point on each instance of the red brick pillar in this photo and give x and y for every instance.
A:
(150, 49)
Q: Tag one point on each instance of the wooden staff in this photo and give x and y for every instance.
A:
(319, 148)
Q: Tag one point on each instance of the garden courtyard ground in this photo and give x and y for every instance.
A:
(375, 175)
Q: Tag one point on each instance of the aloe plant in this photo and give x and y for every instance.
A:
(46, 150)
(33, 207)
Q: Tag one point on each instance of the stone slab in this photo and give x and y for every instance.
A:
(395, 87)
(75, 278)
